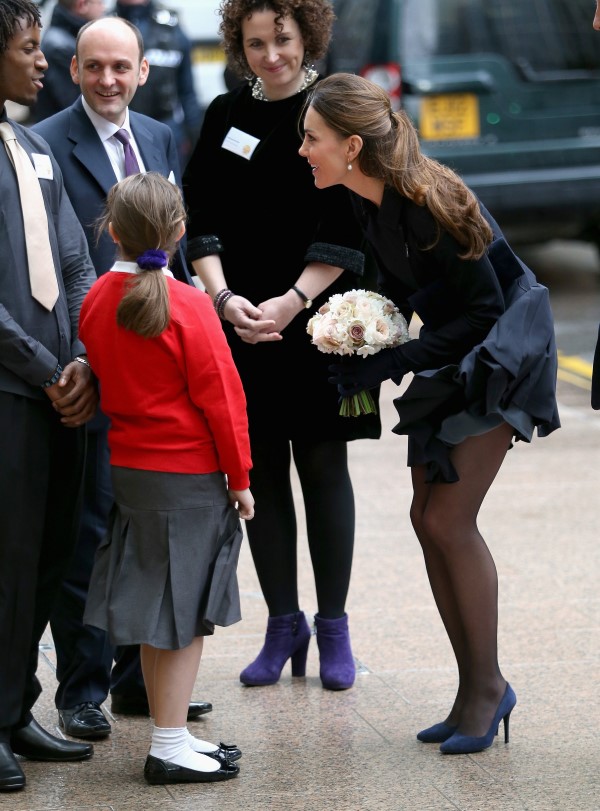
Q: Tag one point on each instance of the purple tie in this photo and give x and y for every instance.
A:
(132, 167)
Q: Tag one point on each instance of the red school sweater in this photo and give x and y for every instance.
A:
(175, 402)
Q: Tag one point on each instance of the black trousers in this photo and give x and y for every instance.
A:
(84, 655)
(41, 475)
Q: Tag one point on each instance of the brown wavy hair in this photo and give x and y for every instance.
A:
(352, 105)
(146, 212)
(314, 18)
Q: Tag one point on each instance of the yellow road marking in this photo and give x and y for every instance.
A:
(573, 369)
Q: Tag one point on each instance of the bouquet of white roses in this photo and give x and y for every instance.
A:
(357, 322)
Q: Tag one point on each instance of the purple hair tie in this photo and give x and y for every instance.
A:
(152, 260)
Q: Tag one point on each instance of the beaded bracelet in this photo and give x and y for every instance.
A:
(220, 300)
(223, 302)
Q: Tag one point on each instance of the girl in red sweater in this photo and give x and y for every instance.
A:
(180, 460)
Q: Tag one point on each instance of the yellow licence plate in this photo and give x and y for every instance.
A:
(449, 117)
(207, 53)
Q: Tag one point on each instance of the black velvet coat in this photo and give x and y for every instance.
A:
(486, 351)
(267, 219)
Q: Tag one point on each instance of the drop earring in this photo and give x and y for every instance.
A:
(349, 167)
(311, 72)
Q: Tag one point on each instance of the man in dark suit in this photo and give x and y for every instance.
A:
(108, 65)
(47, 393)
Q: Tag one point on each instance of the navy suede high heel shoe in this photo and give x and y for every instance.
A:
(438, 733)
(466, 744)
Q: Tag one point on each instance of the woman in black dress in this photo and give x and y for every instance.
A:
(484, 365)
(269, 249)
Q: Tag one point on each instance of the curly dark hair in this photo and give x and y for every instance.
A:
(314, 18)
(11, 14)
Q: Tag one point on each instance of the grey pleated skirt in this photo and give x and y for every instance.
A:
(167, 570)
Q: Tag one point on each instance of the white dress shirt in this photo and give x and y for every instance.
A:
(114, 149)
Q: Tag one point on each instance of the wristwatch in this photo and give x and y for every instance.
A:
(307, 301)
(54, 379)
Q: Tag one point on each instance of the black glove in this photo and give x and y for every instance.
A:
(356, 374)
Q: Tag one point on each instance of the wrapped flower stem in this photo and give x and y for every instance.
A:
(357, 404)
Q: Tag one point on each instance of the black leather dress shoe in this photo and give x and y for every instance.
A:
(138, 705)
(160, 772)
(84, 721)
(35, 743)
(11, 774)
(198, 708)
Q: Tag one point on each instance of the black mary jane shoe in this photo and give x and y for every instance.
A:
(160, 772)
(227, 752)
(35, 743)
(11, 774)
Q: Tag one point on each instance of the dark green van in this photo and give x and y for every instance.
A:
(506, 92)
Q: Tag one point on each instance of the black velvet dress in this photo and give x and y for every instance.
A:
(266, 218)
(486, 352)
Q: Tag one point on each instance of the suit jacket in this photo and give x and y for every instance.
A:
(88, 174)
(32, 339)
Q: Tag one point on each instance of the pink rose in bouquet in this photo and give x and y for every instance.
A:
(357, 322)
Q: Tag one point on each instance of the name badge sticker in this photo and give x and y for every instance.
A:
(240, 143)
(43, 166)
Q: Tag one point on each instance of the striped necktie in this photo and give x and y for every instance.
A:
(42, 272)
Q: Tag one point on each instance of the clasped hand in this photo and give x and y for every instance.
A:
(75, 395)
(355, 373)
(259, 324)
(248, 321)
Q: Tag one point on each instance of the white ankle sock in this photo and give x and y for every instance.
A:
(172, 744)
(197, 744)
(200, 746)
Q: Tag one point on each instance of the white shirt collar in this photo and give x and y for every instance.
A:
(130, 267)
(105, 129)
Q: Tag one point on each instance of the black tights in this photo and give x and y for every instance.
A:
(462, 573)
(329, 506)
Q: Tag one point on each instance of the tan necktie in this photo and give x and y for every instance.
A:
(42, 273)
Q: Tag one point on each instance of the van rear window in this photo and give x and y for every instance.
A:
(544, 39)
(538, 36)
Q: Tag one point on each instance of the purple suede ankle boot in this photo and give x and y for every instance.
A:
(338, 670)
(287, 637)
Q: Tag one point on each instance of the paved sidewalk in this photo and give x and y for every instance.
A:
(308, 748)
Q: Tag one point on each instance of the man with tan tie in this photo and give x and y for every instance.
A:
(97, 141)
(47, 393)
